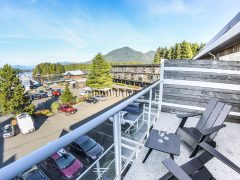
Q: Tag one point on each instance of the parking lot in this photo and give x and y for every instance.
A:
(49, 129)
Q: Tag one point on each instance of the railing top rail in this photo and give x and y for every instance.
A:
(12, 170)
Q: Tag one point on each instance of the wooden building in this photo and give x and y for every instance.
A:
(74, 75)
(137, 75)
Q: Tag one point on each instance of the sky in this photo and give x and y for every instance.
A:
(34, 31)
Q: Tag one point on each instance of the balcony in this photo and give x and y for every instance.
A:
(155, 105)
(227, 144)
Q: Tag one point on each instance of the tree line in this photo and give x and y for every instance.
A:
(77, 66)
(48, 69)
(183, 50)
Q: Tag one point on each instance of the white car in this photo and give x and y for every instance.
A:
(124, 121)
(25, 123)
(49, 94)
(85, 93)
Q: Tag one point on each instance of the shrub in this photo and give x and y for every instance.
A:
(44, 112)
(55, 106)
(67, 96)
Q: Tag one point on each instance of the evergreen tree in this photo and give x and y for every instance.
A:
(67, 96)
(157, 57)
(195, 48)
(186, 51)
(163, 53)
(12, 97)
(177, 51)
(99, 76)
(201, 46)
(169, 53)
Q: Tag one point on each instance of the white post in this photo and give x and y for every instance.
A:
(117, 145)
(161, 87)
(149, 111)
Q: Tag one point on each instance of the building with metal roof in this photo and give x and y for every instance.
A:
(225, 45)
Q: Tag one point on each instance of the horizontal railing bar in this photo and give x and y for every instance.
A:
(12, 170)
(204, 70)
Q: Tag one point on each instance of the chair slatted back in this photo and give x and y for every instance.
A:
(211, 105)
(214, 115)
(221, 118)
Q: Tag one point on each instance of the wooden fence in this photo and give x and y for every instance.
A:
(188, 85)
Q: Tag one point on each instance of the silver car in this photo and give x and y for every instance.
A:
(8, 131)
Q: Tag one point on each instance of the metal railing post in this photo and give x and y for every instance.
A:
(161, 88)
(117, 145)
(149, 111)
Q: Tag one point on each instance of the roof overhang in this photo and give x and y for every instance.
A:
(229, 35)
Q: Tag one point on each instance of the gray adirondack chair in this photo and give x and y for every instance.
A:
(195, 169)
(207, 127)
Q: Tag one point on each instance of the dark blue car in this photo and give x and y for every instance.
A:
(87, 146)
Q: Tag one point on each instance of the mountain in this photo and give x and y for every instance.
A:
(66, 62)
(23, 67)
(127, 54)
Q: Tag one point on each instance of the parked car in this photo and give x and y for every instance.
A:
(92, 100)
(8, 130)
(49, 94)
(43, 94)
(100, 97)
(56, 92)
(87, 146)
(67, 109)
(124, 121)
(133, 107)
(35, 96)
(84, 93)
(25, 123)
(65, 164)
(33, 173)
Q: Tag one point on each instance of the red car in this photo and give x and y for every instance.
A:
(65, 164)
(67, 109)
(56, 93)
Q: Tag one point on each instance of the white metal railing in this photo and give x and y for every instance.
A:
(134, 124)
(12, 170)
(139, 144)
(90, 167)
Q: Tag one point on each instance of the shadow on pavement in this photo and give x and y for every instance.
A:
(11, 159)
(46, 104)
(39, 120)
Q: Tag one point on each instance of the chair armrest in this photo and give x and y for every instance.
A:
(188, 115)
(219, 156)
(175, 169)
(211, 130)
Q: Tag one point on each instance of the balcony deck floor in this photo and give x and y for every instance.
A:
(228, 143)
